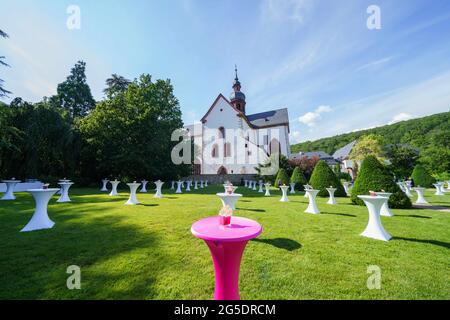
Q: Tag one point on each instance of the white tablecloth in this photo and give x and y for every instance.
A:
(20, 187)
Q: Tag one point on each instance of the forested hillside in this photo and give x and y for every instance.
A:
(422, 133)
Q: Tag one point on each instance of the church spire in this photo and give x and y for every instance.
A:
(237, 97)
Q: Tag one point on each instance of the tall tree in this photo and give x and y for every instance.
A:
(366, 146)
(131, 132)
(74, 94)
(116, 85)
(3, 91)
(402, 159)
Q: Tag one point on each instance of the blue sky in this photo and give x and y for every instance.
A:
(317, 58)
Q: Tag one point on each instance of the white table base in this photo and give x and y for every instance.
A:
(40, 219)
(9, 194)
(104, 186)
(312, 206)
(284, 197)
(179, 184)
(132, 200)
(332, 199)
(229, 199)
(158, 193)
(65, 192)
(374, 228)
(420, 197)
(114, 185)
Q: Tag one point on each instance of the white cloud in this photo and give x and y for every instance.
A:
(284, 10)
(311, 118)
(403, 116)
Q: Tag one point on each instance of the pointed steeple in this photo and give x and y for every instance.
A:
(237, 97)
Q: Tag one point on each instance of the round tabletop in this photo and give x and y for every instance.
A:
(373, 198)
(65, 183)
(11, 181)
(223, 194)
(43, 190)
(240, 229)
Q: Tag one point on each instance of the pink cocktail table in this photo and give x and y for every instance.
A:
(226, 244)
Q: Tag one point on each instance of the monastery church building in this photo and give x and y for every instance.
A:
(229, 141)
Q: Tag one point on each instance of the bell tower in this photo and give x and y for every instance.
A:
(237, 98)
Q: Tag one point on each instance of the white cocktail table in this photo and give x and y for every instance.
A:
(306, 187)
(144, 186)
(284, 197)
(267, 186)
(385, 210)
(159, 185)
(332, 199)
(260, 189)
(438, 187)
(420, 198)
(172, 186)
(312, 206)
(40, 219)
(292, 190)
(9, 194)
(132, 200)
(104, 188)
(179, 184)
(229, 199)
(201, 184)
(114, 185)
(245, 183)
(65, 191)
(374, 228)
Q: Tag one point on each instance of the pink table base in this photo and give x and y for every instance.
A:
(226, 244)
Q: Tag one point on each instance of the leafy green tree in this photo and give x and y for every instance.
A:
(373, 176)
(324, 177)
(43, 145)
(298, 178)
(436, 158)
(130, 133)
(367, 145)
(402, 159)
(74, 94)
(3, 91)
(421, 177)
(116, 85)
(282, 177)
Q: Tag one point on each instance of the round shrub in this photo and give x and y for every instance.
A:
(421, 177)
(373, 176)
(282, 178)
(298, 178)
(323, 177)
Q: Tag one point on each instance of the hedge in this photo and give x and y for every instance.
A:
(421, 177)
(323, 177)
(299, 178)
(373, 176)
(282, 178)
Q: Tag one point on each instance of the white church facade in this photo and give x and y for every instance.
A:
(229, 141)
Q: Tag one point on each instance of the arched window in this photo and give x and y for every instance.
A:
(221, 133)
(215, 151)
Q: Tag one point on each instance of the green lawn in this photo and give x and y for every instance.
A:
(148, 251)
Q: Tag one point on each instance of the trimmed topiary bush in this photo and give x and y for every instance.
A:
(374, 176)
(323, 177)
(282, 178)
(421, 177)
(298, 178)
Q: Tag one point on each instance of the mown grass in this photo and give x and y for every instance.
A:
(148, 252)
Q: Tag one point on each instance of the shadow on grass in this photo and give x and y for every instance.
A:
(413, 216)
(433, 242)
(281, 243)
(148, 204)
(35, 262)
(254, 210)
(340, 214)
